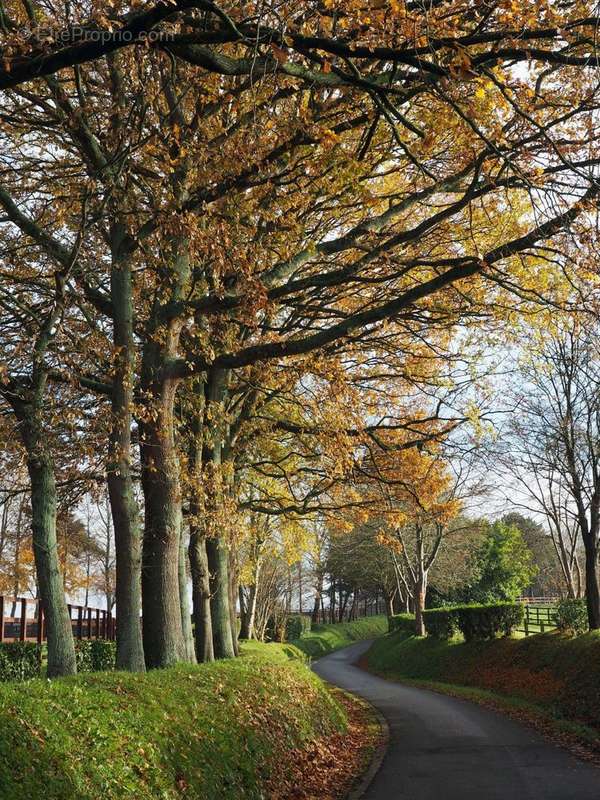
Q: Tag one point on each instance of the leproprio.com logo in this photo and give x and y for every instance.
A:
(77, 34)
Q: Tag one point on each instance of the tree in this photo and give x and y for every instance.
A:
(506, 565)
(550, 577)
(273, 198)
(557, 437)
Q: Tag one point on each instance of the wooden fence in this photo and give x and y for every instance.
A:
(22, 620)
(538, 619)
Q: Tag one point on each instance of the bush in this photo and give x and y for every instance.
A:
(404, 623)
(19, 661)
(95, 655)
(571, 617)
(441, 623)
(486, 621)
(296, 625)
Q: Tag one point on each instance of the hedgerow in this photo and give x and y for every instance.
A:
(19, 661)
(442, 623)
(403, 622)
(487, 621)
(95, 655)
(296, 626)
(571, 617)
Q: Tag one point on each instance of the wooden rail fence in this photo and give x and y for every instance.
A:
(22, 620)
(538, 619)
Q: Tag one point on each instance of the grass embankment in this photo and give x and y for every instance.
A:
(212, 732)
(548, 676)
(324, 639)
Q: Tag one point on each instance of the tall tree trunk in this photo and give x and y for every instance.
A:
(233, 586)
(124, 509)
(201, 596)
(17, 555)
(389, 604)
(317, 603)
(164, 643)
(419, 603)
(186, 614)
(203, 632)
(59, 633)
(244, 603)
(50, 581)
(250, 615)
(592, 592)
(218, 564)
(216, 545)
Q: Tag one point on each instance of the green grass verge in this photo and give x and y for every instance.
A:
(324, 639)
(215, 732)
(556, 674)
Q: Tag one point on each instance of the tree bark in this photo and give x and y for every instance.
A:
(592, 592)
(247, 629)
(162, 630)
(419, 604)
(233, 590)
(186, 614)
(124, 509)
(389, 604)
(216, 545)
(218, 564)
(317, 604)
(61, 647)
(201, 596)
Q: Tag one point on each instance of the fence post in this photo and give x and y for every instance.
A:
(23, 632)
(1, 618)
(79, 623)
(526, 620)
(89, 622)
(97, 623)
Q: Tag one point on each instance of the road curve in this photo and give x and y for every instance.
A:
(442, 748)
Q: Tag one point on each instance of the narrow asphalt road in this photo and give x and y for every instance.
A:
(442, 748)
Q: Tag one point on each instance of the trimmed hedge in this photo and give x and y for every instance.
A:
(296, 625)
(95, 655)
(475, 621)
(571, 617)
(441, 623)
(403, 622)
(486, 621)
(19, 661)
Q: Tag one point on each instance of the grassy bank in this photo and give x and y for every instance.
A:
(551, 672)
(324, 639)
(213, 732)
